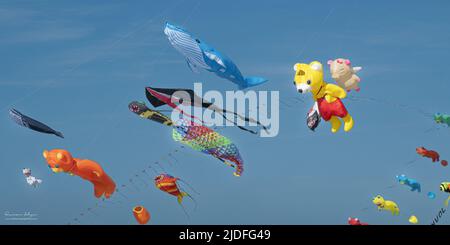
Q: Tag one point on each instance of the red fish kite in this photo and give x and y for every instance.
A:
(168, 184)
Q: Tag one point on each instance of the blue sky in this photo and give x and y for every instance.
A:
(76, 66)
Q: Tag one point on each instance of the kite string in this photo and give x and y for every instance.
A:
(420, 111)
(75, 67)
(346, 24)
(104, 129)
(132, 183)
(98, 135)
(311, 37)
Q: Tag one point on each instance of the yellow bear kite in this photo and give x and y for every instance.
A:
(309, 78)
(386, 205)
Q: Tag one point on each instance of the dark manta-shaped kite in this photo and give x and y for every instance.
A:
(174, 97)
(30, 123)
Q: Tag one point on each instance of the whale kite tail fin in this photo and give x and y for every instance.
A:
(253, 81)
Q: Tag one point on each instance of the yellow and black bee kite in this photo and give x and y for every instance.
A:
(445, 187)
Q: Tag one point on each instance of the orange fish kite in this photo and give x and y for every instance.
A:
(62, 161)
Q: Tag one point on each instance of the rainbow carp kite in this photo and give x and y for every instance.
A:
(206, 140)
(200, 55)
(175, 97)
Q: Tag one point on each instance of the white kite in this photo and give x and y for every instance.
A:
(31, 180)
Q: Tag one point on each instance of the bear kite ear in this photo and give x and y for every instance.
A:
(329, 62)
(347, 62)
(45, 154)
(295, 67)
(59, 156)
(316, 66)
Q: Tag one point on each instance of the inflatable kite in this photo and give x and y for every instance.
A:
(344, 74)
(309, 78)
(168, 184)
(32, 124)
(141, 215)
(313, 117)
(355, 221)
(200, 55)
(442, 118)
(62, 161)
(413, 219)
(386, 205)
(428, 153)
(143, 111)
(204, 139)
(175, 97)
(403, 180)
(445, 187)
(31, 180)
(431, 195)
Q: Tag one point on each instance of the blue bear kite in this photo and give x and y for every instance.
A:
(402, 179)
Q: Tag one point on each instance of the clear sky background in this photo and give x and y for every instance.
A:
(76, 66)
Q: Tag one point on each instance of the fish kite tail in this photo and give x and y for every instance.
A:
(59, 134)
(180, 197)
(238, 171)
(253, 81)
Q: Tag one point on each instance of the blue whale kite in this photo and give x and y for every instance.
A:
(200, 55)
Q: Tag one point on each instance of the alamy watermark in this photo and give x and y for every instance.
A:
(251, 104)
